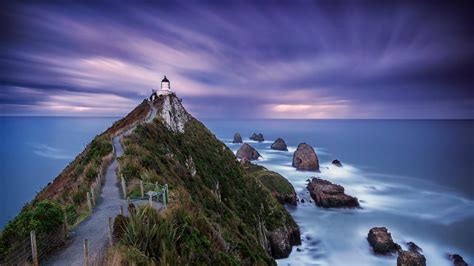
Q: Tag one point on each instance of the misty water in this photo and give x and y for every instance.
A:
(414, 177)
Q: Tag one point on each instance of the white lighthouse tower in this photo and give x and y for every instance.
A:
(165, 89)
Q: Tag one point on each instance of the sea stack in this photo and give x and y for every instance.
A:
(279, 145)
(305, 158)
(337, 163)
(381, 240)
(248, 152)
(329, 195)
(237, 138)
(257, 137)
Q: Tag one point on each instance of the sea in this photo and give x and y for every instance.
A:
(415, 177)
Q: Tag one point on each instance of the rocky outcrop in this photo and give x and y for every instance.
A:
(457, 260)
(329, 195)
(247, 151)
(279, 144)
(173, 114)
(381, 240)
(337, 163)
(257, 137)
(410, 258)
(305, 158)
(282, 239)
(237, 138)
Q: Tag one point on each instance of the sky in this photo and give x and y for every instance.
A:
(247, 59)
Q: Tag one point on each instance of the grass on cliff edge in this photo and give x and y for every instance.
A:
(227, 204)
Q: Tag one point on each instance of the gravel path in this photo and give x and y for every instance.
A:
(95, 227)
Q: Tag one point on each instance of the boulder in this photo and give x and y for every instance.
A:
(248, 152)
(457, 260)
(381, 240)
(282, 239)
(256, 137)
(237, 138)
(337, 163)
(329, 195)
(413, 247)
(410, 258)
(279, 145)
(305, 158)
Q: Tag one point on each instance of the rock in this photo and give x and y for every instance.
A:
(305, 158)
(244, 161)
(457, 260)
(381, 240)
(329, 195)
(410, 258)
(173, 114)
(302, 200)
(282, 239)
(337, 163)
(237, 138)
(247, 151)
(413, 247)
(279, 145)
(256, 137)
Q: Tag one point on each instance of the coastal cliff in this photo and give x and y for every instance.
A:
(217, 213)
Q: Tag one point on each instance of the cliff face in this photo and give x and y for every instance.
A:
(233, 215)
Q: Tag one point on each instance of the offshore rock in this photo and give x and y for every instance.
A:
(248, 152)
(410, 258)
(329, 195)
(279, 145)
(256, 137)
(337, 163)
(305, 158)
(457, 260)
(237, 138)
(381, 240)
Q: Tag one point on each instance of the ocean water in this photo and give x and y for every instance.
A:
(414, 177)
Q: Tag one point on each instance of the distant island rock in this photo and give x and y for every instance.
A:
(248, 152)
(257, 137)
(305, 158)
(337, 163)
(329, 195)
(237, 138)
(381, 240)
(279, 144)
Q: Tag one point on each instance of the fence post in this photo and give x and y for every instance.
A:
(166, 194)
(65, 224)
(93, 195)
(163, 196)
(121, 209)
(150, 200)
(128, 201)
(86, 252)
(142, 190)
(89, 203)
(34, 251)
(124, 188)
(110, 231)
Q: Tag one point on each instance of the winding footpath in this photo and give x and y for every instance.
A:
(95, 227)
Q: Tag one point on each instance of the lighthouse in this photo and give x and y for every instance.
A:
(165, 89)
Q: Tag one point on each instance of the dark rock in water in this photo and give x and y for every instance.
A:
(305, 158)
(413, 247)
(381, 240)
(337, 163)
(457, 260)
(299, 249)
(237, 138)
(410, 258)
(302, 200)
(256, 137)
(279, 145)
(248, 152)
(329, 195)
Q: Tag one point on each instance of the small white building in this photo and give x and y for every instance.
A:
(165, 89)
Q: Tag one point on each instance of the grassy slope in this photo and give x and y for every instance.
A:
(227, 201)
